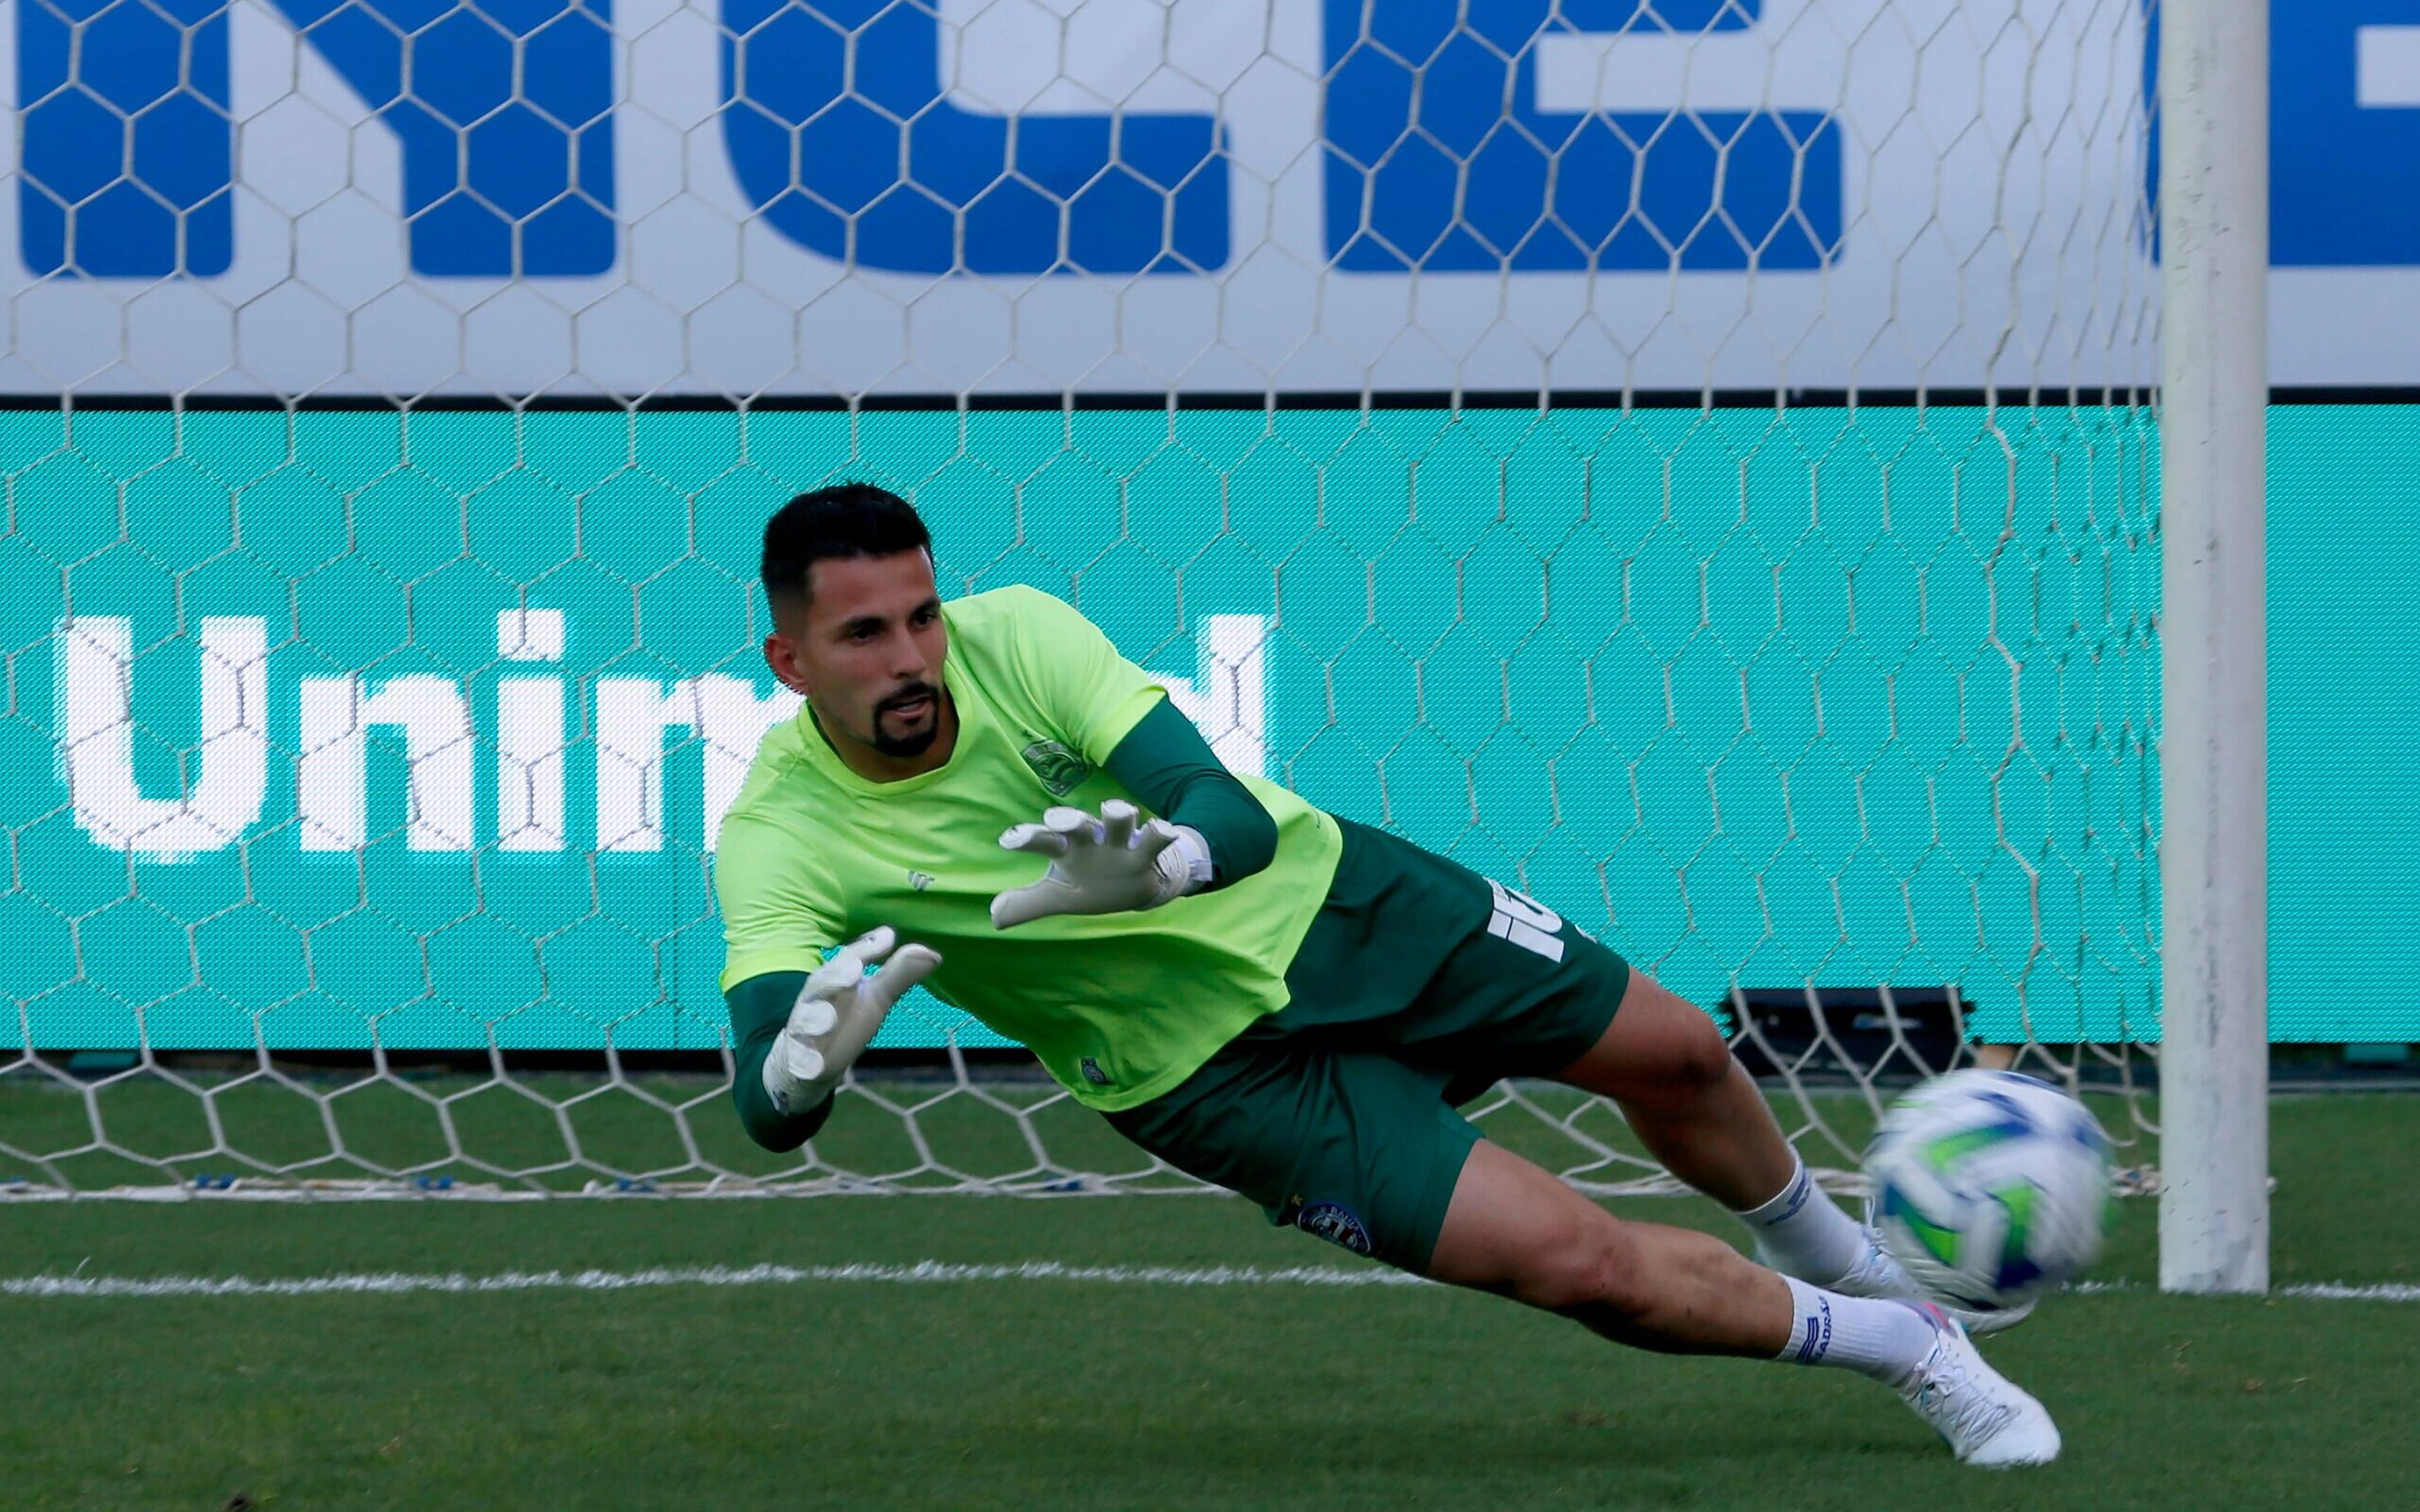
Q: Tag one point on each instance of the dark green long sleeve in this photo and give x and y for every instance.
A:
(1165, 763)
(759, 1007)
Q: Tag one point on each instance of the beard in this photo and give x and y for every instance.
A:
(916, 742)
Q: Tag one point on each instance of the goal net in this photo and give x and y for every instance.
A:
(1689, 459)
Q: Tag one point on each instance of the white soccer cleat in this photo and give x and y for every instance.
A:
(1878, 1273)
(1979, 1320)
(1985, 1418)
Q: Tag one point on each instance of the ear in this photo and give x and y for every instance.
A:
(781, 656)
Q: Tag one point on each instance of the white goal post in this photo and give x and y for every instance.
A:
(2213, 771)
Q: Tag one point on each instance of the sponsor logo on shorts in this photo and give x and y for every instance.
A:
(1093, 1072)
(1335, 1222)
(1524, 922)
(1059, 769)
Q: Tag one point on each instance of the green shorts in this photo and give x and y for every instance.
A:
(1420, 985)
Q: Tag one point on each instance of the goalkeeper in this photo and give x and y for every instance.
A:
(984, 796)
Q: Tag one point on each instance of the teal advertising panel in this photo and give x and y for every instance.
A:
(417, 724)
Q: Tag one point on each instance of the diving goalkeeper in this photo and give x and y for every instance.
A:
(984, 796)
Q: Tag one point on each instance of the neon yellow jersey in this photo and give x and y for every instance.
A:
(1119, 1006)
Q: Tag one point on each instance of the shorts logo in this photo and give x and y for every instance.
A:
(1093, 1072)
(1525, 921)
(1335, 1222)
(1059, 768)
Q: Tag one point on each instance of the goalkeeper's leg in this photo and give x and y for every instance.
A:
(1698, 1112)
(1514, 1229)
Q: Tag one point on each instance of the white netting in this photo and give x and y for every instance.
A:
(1690, 460)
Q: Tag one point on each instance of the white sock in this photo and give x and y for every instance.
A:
(1803, 1233)
(1872, 1335)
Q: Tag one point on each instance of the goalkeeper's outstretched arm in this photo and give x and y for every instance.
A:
(799, 1033)
(760, 1009)
(1164, 761)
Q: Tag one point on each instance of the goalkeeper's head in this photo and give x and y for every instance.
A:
(856, 619)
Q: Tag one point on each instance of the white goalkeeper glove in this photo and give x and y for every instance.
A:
(1109, 865)
(836, 1015)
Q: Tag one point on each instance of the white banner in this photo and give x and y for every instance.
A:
(744, 198)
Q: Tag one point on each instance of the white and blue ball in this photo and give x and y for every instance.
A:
(1991, 1188)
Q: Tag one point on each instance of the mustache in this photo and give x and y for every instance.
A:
(910, 695)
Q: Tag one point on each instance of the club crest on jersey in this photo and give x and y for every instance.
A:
(1059, 768)
(1335, 1222)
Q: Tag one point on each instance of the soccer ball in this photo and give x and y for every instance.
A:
(1991, 1188)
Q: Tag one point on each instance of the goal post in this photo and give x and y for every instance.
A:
(2213, 208)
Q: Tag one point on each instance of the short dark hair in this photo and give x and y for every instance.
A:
(846, 520)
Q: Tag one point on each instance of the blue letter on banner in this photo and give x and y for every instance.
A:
(1464, 173)
(87, 112)
(827, 101)
(504, 111)
(2341, 168)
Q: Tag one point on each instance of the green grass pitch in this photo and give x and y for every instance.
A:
(1062, 1393)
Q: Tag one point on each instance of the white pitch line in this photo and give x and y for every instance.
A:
(2338, 1291)
(2299, 1291)
(922, 1272)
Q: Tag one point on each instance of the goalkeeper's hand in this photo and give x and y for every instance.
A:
(836, 1015)
(1108, 865)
